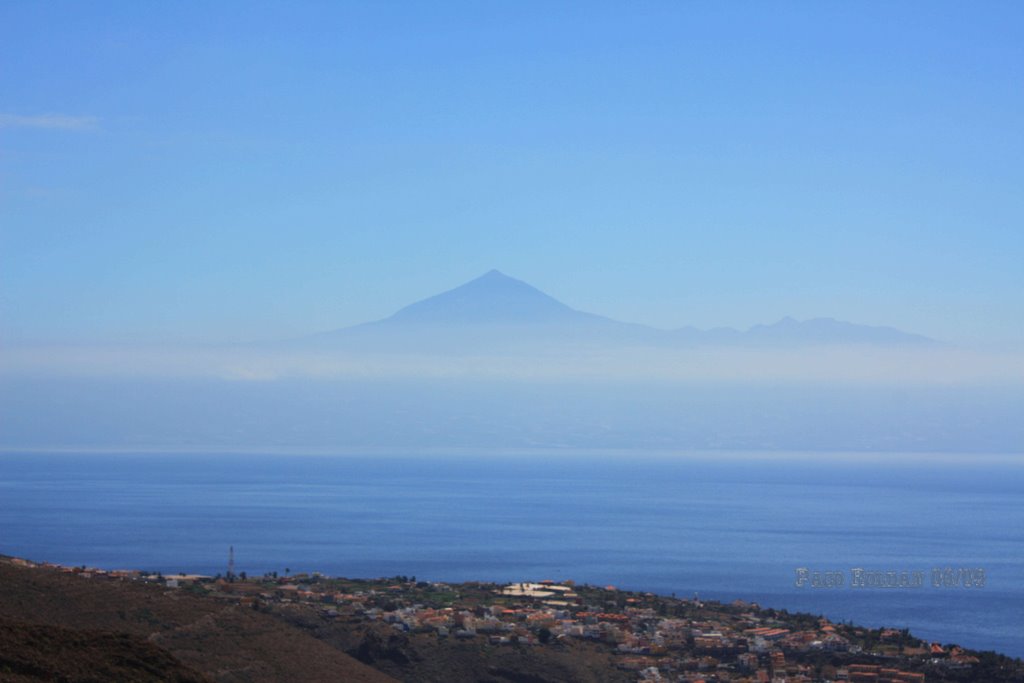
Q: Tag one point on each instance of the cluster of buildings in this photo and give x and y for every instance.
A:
(711, 643)
(657, 638)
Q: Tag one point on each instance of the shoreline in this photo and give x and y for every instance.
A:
(634, 627)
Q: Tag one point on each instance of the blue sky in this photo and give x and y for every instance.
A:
(232, 171)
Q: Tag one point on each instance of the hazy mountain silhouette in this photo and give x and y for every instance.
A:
(491, 312)
(498, 311)
(829, 331)
(492, 298)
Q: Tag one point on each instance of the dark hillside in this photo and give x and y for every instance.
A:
(34, 652)
(62, 625)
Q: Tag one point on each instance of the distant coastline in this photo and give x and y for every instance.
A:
(400, 626)
(725, 524)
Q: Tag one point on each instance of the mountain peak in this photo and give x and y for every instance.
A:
(494, 273)
(490, 298)
(493, 278)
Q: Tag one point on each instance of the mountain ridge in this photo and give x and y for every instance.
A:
(495, 308)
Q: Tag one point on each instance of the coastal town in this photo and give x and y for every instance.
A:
(640, 636)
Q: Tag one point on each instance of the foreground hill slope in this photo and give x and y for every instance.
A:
(35, 652)
(55, 626)
(62, 626)
(78, 624)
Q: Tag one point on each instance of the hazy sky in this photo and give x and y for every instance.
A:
(231, 171)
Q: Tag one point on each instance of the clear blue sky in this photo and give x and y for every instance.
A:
(219, 171)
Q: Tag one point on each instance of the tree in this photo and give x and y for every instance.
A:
(544, 635)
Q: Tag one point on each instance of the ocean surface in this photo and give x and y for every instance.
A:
(722, 525)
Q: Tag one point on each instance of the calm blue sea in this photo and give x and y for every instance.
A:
(721, 525)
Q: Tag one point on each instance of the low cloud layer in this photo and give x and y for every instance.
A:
(845, 364)
(816, 398)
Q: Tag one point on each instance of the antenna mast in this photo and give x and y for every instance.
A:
(231, 562)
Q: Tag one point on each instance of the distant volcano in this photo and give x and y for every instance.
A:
(498, 311)
(491, 298)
